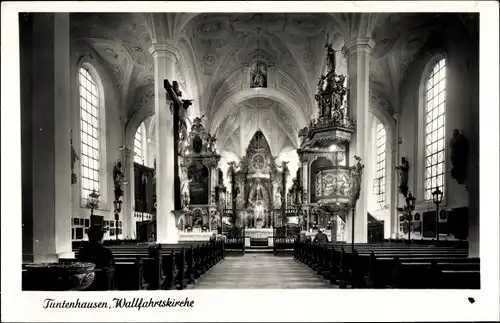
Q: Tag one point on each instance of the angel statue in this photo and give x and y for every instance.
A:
(197, 126)
(210, 142)
(232, 166)
(330, 57)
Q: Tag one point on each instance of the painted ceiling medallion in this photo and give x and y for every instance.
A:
(209, 60)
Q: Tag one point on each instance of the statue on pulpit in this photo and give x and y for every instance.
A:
(404, 169)
(330, 57)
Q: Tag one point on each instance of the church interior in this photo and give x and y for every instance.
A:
(249, 150)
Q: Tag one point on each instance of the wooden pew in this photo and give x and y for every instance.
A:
(283, 245)
(234, 246)
(338, 263)
(167, 266)
(182, 263)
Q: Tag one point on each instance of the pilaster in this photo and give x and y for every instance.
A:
(165, 58)
(50, 192)
(358, 58)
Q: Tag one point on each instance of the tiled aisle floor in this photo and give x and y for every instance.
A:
(261, 271)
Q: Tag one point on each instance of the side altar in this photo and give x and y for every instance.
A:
(200, 181)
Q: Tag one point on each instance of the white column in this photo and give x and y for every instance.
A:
(305, 182)
(165, 57)
(358, 58)
(394, 179)
(127, 214)
(51, 163)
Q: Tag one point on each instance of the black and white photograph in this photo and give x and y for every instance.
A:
(170, 153)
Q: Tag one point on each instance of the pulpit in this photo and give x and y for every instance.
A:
(329, 185)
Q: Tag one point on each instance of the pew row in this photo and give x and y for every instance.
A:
(283, 246)
(160, 266)
(234, 246)
(391, 265)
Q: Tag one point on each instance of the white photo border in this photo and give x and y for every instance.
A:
(258, 305)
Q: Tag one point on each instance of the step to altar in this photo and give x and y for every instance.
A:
(259, 242)
(259, 249)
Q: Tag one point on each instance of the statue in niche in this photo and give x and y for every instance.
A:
(459, 155)
(257, 195)
(404, 169)
(258, 75)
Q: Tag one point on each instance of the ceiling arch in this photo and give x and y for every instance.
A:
(235, 130)
(216, 46)
(292, 108)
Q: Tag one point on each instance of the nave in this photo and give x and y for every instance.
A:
(313, 141)
(261, 271)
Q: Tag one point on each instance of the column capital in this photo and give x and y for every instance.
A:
(165, 51)
(358, 45)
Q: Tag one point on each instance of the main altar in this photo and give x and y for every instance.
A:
(257, 189)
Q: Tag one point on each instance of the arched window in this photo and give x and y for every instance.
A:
(89, 133)
(138, 151)
(434, 133)
(379, 180)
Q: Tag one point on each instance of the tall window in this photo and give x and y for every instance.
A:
(89, 133)
(138, 157)
(379, 182)
(435, 108)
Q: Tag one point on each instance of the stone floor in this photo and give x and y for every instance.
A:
(260, 271)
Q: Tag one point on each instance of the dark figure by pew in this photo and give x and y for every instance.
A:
(320, 237)
(99, 255)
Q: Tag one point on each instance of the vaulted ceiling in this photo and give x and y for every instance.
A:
(217, 49)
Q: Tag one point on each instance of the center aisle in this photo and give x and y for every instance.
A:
(260, 271)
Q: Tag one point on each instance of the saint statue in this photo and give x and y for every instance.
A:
(404, 169)
(356, 176)
(74, 158)
(258, 79)
(259, 75)
(330, 57)
(119, 179)
(459, 155)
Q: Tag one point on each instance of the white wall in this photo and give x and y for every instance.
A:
(111, 131)
(462, 112)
